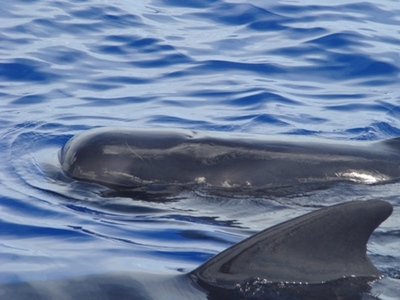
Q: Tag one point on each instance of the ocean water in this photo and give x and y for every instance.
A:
(301, 68)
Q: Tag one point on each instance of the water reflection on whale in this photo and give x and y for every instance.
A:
(142, 162)
(320, 255)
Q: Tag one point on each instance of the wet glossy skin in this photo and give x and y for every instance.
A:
(325, 249)
(125, 158)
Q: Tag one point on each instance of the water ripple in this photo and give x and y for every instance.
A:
(300, 68)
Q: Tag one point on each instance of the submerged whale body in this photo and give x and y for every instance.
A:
(320, 255)
(138, 161)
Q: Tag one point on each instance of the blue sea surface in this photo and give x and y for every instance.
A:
(301, 68)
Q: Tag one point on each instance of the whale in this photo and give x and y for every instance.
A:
(157, 162)
(319, 255)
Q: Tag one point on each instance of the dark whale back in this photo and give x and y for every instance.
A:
(320, 255)
(129, 159)
(327, 245)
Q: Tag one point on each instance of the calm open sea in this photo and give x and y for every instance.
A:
(329, 69)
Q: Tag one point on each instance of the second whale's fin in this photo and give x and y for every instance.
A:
(325, 245)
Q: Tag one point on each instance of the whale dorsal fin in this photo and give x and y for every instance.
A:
(324, 245)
